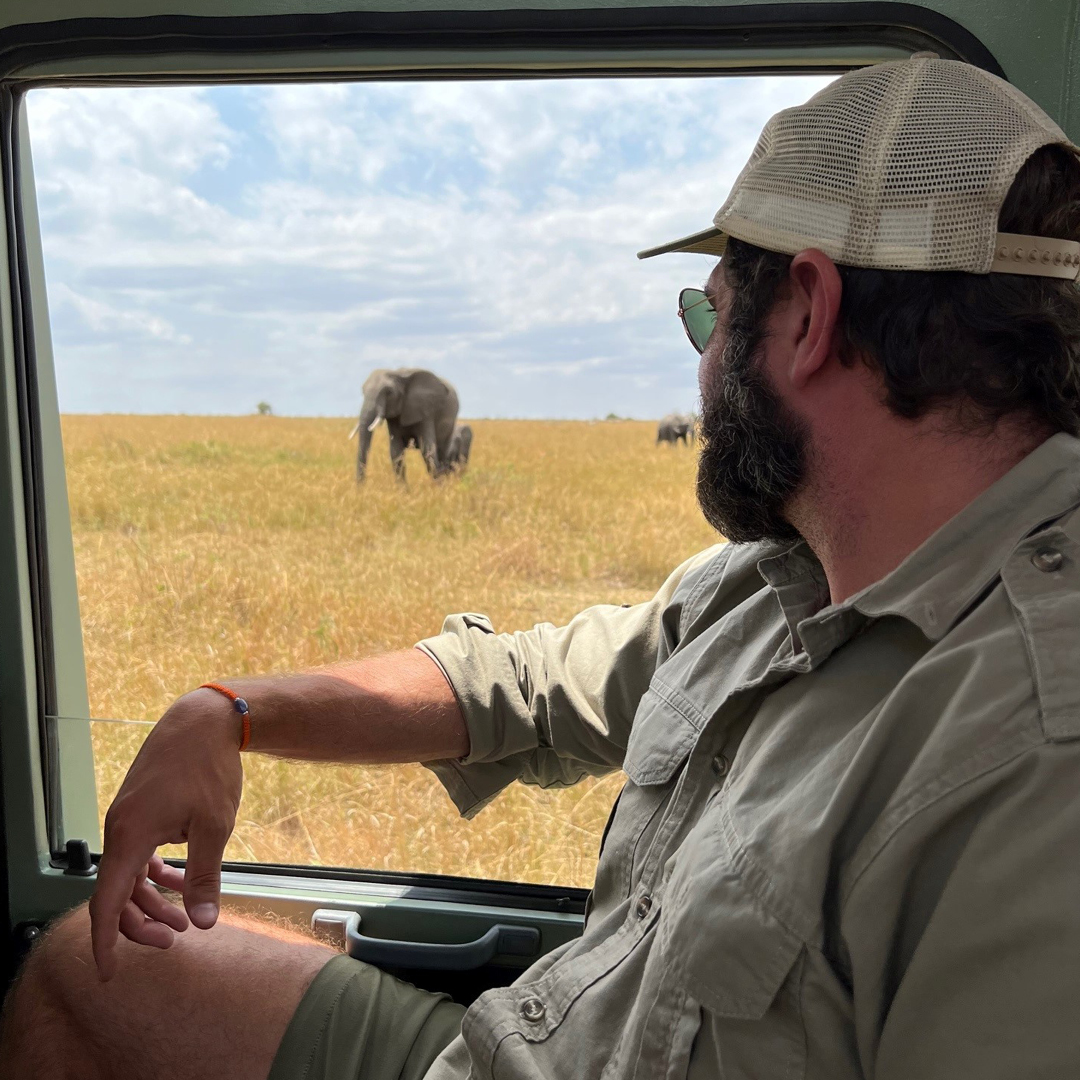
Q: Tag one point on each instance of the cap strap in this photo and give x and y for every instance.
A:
(1042, 256)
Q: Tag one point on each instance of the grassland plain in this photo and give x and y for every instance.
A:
(209, 547)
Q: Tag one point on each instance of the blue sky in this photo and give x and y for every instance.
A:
(210, 248)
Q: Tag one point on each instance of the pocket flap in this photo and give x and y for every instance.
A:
(661, 739)
(734, 953)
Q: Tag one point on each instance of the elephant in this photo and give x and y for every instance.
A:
(420, 410)
(457, 457)
(675, 427)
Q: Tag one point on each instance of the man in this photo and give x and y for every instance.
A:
(849, 843)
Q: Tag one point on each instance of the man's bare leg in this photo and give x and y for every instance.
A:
(216, 1004)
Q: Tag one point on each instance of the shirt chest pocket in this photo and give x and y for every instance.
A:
(739, 962)
(660, 742)
(663, 734)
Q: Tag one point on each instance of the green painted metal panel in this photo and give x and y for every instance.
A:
(1035, 44)
(79, 794)
(20, 760)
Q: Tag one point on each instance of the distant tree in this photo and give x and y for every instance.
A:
(613, 416)
(264, 409)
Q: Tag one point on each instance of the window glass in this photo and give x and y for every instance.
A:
(226, 265)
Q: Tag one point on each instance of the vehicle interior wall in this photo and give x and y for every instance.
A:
(112, 41)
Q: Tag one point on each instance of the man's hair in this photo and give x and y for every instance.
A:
(981, 346)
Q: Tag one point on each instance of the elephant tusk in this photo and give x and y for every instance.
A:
(375, 423)
(352, 434)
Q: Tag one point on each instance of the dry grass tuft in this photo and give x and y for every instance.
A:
(208, 547)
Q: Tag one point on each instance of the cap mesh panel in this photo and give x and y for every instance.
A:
(899, 166)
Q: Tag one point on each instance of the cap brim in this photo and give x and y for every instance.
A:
(707, 242)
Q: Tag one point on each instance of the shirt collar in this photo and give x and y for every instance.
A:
(942, 577)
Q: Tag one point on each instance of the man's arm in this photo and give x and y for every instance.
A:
(553, 704)
(548, 705)
(184, 786)
(380, 711)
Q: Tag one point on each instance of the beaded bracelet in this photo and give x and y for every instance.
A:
(239, 704)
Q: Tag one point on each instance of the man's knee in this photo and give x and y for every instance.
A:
(215, 980)
(60, 956)
(67, 936)
(36, 1026)
(58, 980)
(40, 969)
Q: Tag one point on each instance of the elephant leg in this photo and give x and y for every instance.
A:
(429, 447)
(362, 452)
(397, 454)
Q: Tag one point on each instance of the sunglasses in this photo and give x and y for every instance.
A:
(698, 317)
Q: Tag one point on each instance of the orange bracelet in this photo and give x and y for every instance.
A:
(239, 704)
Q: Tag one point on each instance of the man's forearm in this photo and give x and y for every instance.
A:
(186, 782)
(392, 708)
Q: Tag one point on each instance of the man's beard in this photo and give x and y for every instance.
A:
(753, 453)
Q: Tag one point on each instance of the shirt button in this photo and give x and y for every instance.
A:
(1047, 560)
(644, 906)
(533, 1010)
(720, 765)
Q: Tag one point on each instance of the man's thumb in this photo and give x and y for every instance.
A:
(202, 875)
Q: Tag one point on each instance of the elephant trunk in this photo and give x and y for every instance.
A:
(370, 418)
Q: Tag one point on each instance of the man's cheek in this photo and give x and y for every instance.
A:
(709, 364)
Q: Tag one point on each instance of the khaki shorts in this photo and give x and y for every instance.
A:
(355, 1022)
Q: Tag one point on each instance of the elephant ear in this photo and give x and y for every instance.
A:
(394, 398)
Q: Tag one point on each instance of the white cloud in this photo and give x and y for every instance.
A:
(564, 367)
(102, 318)
(477, 228)
(164, 131)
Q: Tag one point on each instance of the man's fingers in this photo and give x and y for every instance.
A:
(155, 906)
(202, 875)
(161, 873)
(117, 874)
(138, 928)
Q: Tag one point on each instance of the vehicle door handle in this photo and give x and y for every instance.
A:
(500, 940)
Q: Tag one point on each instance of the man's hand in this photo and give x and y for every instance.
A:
(183, 787)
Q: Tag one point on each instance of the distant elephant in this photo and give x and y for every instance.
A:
(419, 409)
(675, 427)
(457, 456)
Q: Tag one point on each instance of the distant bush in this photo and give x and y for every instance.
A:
(264, 409)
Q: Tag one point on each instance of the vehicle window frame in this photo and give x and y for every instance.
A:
(231, 49)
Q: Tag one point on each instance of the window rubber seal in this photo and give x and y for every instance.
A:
(26, 389)
(863, 22)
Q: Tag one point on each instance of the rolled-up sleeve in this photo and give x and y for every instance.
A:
(553, 704)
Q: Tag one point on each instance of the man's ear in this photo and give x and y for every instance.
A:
(815, 291)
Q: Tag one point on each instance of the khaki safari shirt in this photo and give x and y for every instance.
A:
(849, 841)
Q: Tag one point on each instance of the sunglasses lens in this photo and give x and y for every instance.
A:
(698, 317)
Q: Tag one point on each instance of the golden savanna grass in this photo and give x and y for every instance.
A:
(210, 547)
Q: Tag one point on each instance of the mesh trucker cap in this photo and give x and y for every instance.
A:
(899, 166)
